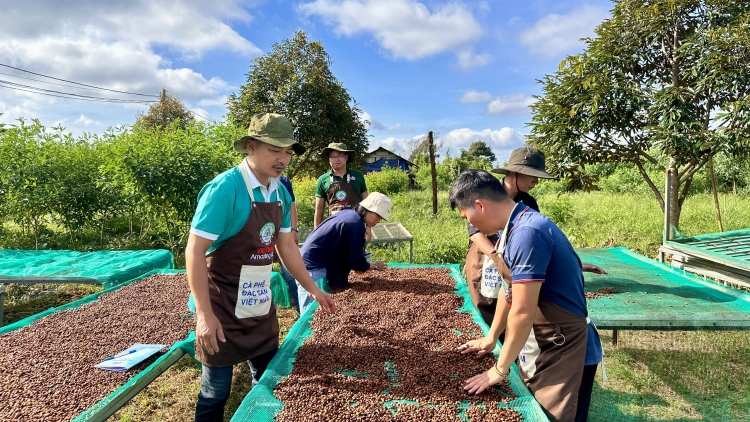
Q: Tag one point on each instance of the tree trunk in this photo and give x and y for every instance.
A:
(715, 190)
(675, 207)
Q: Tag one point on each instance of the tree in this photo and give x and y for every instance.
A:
(479, 149)
(295, 80)
(419, 153)
(162, 113)
(664, 82)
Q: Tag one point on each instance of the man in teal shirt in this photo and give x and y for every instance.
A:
(241, 222)
(341, 187)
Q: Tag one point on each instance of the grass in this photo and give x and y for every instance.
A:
(653, 376)
(24, 300)
(173, 395)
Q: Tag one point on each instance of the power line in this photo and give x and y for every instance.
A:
(198, 115)
(96, 99)
(77, 83)
(36, 80)
(77, 96)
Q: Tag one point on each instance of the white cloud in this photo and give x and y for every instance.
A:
(405, 28)
(375, 125)
(200, 114)
(472, 96)
(121, 45)
(506, 104)
(510, 104)
(85, 121)
(396, 144)
(463, 138)
(502, 141)
(554, 35)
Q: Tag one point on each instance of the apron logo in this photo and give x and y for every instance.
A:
(341, 195)
(266, 233)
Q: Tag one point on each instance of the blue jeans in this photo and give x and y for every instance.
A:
(216, 382)
(291, 284)
(304, 298)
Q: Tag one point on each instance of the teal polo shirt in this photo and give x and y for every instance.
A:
(224, 205)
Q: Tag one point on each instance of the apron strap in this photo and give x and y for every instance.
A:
(604, 371)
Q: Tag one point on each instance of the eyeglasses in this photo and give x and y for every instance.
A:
(336, 156)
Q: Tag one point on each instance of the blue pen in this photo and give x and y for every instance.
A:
(121, 354)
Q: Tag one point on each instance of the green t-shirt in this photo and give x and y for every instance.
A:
(357, 179)
(224, 206)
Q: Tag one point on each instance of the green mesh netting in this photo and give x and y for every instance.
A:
(730, 248)
(656, 296)
(260, 405)
(279, 291)
(121, 395)
(105, 267)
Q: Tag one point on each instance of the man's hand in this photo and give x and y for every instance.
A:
(481, 382)
(324, 300)
(482, 346)
(379, 265)
(207, 329)
(591, 268)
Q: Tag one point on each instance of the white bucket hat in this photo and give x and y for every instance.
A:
(378, 203)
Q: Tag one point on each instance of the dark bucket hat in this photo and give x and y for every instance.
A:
(526, 160)
(340, 147)
(273, 129)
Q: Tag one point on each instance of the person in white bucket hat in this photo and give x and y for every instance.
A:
(337, 245)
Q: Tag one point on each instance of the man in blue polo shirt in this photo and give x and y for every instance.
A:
(547, 326)
(337, 245)
(241, 222)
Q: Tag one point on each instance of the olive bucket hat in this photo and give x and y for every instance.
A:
(273, 129)
(340, 147)
(526, 160)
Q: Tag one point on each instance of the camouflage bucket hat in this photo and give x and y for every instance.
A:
(273, 129)
(340, 147)
(526, 160)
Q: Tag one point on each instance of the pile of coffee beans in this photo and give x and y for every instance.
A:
(606, 291)
(389, 353)
(47, 368)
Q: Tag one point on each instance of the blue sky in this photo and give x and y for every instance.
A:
(464, 70)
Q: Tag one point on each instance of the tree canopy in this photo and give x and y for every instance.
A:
(295, 80)
(162, 113)
(664, 82)
(479, 149)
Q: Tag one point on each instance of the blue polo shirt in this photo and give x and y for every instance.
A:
(536, 250)
(338, 246)
(224, 205)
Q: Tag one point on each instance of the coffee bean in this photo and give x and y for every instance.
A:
(389, 354)
(47, 368)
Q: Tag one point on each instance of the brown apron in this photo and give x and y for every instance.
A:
(551, 363)
(239, 285)
(473, 271)
(341, 195)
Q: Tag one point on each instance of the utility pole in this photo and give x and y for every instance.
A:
(431, 147)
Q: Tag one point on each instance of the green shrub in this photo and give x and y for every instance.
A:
(558, 208)
(304, 196)
(445, 176)
(388, 181)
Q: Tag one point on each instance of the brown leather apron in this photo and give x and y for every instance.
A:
(341, 195)
(473, 271)
(551, 363)
(239, 286)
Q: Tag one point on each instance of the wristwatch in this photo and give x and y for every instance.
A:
(295, 229)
